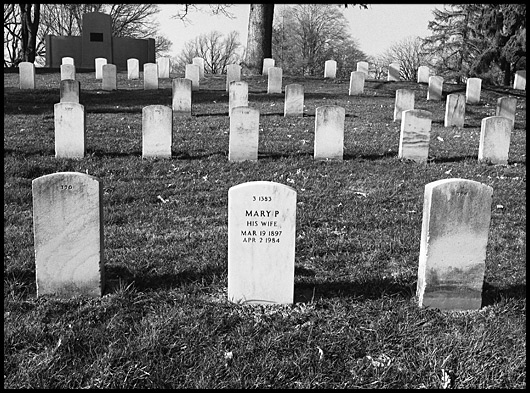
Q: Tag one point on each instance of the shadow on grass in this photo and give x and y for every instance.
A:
(492, 295)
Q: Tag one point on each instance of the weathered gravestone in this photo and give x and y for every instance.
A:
(67, 71)
(150, 76)
(68, 234)
(519, 82)
(393, 72)
(164, 65)
(70, 138)
(494, 145)
(294, 100)
(233, 74)
(506, 107)
(404, 102)
(423, 74)
(362, 66)
(157, 125)
(237, 95)
(329, 132)
(415, 135)
(133, 68)
(26, 74)
(181, 96)
(244, 134)
(330, 69)
(69, 90)
(434, 91)
(455, 110)
(267, 63)
(356, 83)
(473, 86)
(274, 84)
(454, 236)
(192, 73)
(109, 80)
(261, 243)
(200, 62)
(99, 63)
(67, 60)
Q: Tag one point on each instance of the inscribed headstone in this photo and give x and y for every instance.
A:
(434, 91)
(506, 107)
(455, 110)
(67, 71)
(69, 121)
(294, 100)
(109, 77)
(181, 96)
(192, 73)
(233, 74)
(267, 63)
(519, 81)
(404, 102)
(473, 86)
(163, 67)
(26, 73)
(150, 76)
(356, 83)
(244, 134)
(69, 90)
(157, 125)
(200, 62)
(415, 135)
(237, 95)
(494, 145)
(133, 68)
(394, 72)
(329, 132)
(99, 63)
(423, 74)
(274, 84)
(330, 69)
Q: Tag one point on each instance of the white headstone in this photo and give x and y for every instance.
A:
(150, 76)
(109, 77)
(423, 74)
(330, 69)
(69, 120)
(69, 90)
(237, 95)
(506, 107)
(454, 236)
(362, 66)
(67, 71)
(200, 62)
(519, 82)
(67, 60)
(394, 72)
(181, 96)
(192, 73)
(26, 72)
(329, 132)
(164, 65)
(99, 63)
(233, 74)
(404, 102)
(274, 84)
(294, 100)
(455, 110)
(244, 134)
(68, 235)
(133, 68)
(494, 145)
(473, 86)
(434, 92)
(157, 125)
(415, 135)
(267, 63)
(261, 243)
(356, 83)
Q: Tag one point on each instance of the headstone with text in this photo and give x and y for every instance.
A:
(70, 137)
(294, 100)
(506, 107)
(67, 71)
(494, 144)
(244, 134)
(69, 90)
(150, 76)
(404, 102)
(237, 95)
(434, 90)
(356, 83)
(473, 87)
(329, 132)
(274, 84)
(157, 125)
(415, 135)
(455, 110)
(181, 96)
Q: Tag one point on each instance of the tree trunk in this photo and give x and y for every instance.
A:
(259, 41)
(29, 27)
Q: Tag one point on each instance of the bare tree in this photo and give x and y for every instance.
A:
(29, 17)
(408, 53)
(12, 35)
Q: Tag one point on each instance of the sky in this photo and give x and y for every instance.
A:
(375, 28)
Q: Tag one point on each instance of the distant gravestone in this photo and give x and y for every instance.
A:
(454, 236)
(200, 62)
(68, 235)
(275, 80)
(67, 71)
(70, 138)
(99, 63)
(109, 81)
(415, 135)
(294, 100)
(192, 73)
(423, 74)
(455, 110)
(69, 90)
(233, 74)
(362, 66)
(473, 86)
(329, 132)
(506, 107)
(26, 73)
(237, 95)
(164, 66)
(133, 69)
(519, 82)
(244, 134)
(404, 102)
(67, 60)
(494, 145)
(434, 91)
(267, 63)
(356, 83)
(394, 72)
(261, 243)
(330, 69)
(156, 131)
(181, 96)
(150, 76)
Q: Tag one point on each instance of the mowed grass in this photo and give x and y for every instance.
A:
(165, 321)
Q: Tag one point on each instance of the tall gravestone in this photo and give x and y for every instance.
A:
(109, 80)
(67, 71)
(404, 102)
(473, 87)
(150, 76)
(26, 74)
(506, 107)
(519, 81)
(233, 74)
(356, 83)
(157, 125)
(70, 138)
(362, 66)
(329, 132)
(415, 135)
(244, 134)
(68, 235)
(267, 63)
(434, 91)
(69, 91)
(261, 243)
(67, 60)
(494, 145)
(454, 236)
(164, 65)
(294, 100)
(200, 62)
(274, 84)
(393, 72)
(99, 63)
(455, 110)
(423, 74)
(192, 73)
(330, 69)
(181, 96)
(133, 68)
(237, 95)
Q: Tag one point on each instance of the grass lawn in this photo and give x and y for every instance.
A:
(165, 321)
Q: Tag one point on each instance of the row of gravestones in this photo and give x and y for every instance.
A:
(69, 244)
